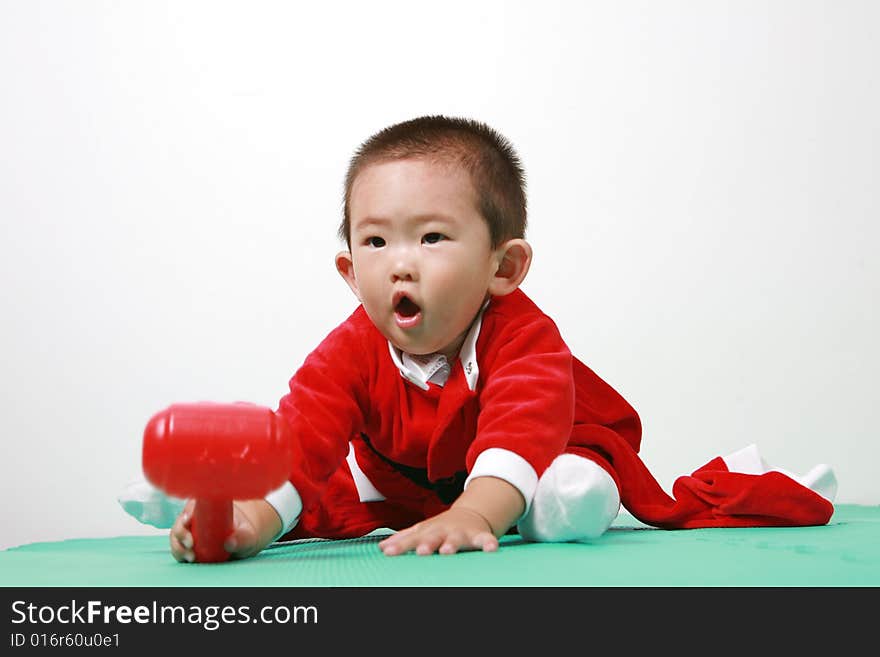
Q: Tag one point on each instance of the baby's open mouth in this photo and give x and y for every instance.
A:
(406, 307)
(407, 313)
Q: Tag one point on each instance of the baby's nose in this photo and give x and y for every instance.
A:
(402, 274)
(404, 267)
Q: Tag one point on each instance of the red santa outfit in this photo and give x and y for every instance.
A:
(379, 444)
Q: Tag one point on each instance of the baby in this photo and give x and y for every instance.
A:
(447, 406)
(443, 406)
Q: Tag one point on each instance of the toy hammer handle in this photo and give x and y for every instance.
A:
(211, 526)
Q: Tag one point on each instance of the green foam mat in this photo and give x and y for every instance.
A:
(846, 552)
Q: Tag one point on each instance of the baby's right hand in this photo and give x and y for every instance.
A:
(255, 524)
(181, 534)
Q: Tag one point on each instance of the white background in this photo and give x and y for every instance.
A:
(703, 190)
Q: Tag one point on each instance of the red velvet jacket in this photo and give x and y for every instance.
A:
(532, 397)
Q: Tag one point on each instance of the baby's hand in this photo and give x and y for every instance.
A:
(453, 530)
(255, 524)
(181, 534)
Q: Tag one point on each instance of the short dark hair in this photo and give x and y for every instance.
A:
(489, 158)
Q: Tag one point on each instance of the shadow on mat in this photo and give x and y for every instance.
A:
(325, 548)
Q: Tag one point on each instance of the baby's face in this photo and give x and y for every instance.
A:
(421, 253)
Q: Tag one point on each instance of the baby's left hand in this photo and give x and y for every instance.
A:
(448, 532)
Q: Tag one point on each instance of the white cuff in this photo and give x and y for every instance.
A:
(509, 466)
(287, 504)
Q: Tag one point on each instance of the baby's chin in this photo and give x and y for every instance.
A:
(417, 347)
(416, 343)
(414, 350)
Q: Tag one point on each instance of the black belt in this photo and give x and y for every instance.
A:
(447, 489)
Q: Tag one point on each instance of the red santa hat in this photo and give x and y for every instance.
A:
(738, 490)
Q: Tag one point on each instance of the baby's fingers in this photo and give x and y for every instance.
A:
(423, 538)
(429, 544)
(401, 542)
(484, 541)
(180, 536)
(243, 542)
(182, 549)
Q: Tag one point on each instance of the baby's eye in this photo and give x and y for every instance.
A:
(433, 238)
(375, 242)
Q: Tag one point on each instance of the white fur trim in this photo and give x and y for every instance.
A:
(820, 479)
(367, 492)
(747, 461)
(509, 466)
(287, 504)
(576, 500)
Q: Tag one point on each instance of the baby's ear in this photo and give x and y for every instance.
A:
(514, 260)
(345, 267)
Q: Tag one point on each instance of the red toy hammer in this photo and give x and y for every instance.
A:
(216, 453)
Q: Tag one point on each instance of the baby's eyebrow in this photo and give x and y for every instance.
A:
(435, 216)
(371, 221)
(417, 220)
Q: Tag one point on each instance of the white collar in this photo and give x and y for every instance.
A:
(434, 368)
